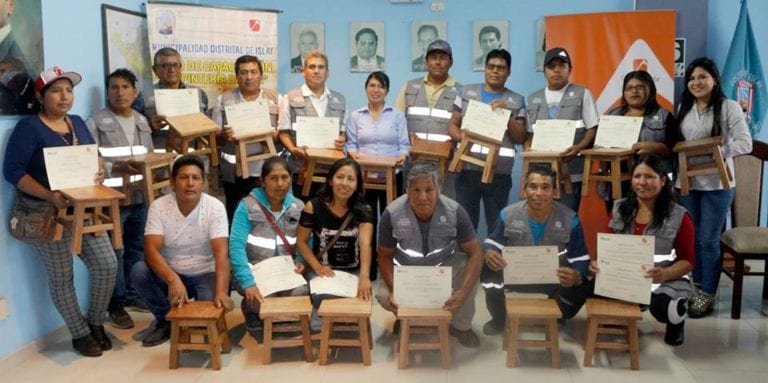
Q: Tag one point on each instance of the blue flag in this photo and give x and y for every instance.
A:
(743, 78)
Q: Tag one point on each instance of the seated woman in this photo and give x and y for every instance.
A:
(338, 212)
(649, 209)
(264, 226)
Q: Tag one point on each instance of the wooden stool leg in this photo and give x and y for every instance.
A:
(226, 344)
(306, 336)
(268, 341)
(370, 333)
(77, 228)
(173, 361)
(554, 343)
(365, 340)
(325, 338)
(616, 178)
(405, 329)
(634, 352)
(589, 349)
(513, 324)
(445, 344)
(585, 175)
(213, 345)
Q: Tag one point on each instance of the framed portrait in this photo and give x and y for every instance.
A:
(305, 37)
(486, 36)
(423, 33)
(21, 55)
(366, 46)
(540, 46)
(126, 44)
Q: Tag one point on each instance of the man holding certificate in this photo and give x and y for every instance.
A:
(425, 228)
(248, 71)
(469, 188)
(185, 245)
(536, 221)
(565, 101)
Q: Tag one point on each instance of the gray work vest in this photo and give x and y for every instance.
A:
(263, 242)
(420, 116)
(228, 167)
(442, 242)
(514, 101)
(302, 106)
(517, 230)
(571, 108)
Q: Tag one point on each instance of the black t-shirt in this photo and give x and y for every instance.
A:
(345, 253)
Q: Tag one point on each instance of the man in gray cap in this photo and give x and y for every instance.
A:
(428, 101)
(562, 100)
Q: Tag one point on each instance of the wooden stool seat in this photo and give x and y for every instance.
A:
(463, 154)
(346, 315)
(435, 151)
(198, 318)
(193, 131)
(555, 162)
(610, 160)
(317, 165)
(88, 215)
(708, 150)
(424, 317)
(535, 315)
(379, 164)
(268, 150)
(295, 311)
(612, 318)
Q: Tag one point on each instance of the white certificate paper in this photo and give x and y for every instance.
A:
(553, 135)
(530, 265)
(249, 118)
(618, 131)
(484, 121)
(342, 284)
(317, 132)
(71, 166)
(422, 286)
(623, 260)
(177, 102)
(276, 274)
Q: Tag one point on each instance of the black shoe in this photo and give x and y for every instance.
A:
(120, 318)
(493, 328)
(467, 338)
(396, 327)
(158, 335)
(675, 334)
(137, 305)
(101, 337)
(87, 346)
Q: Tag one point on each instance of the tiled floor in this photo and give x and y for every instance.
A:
(717, 349)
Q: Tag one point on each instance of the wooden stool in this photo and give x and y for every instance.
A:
(346, 315)
(318, 159)
(555, 162)
(276, 310)
(622, 318)
(463, 155)
(195, 131)
(536, 315)
(424, 317)
(88, 203)
(378, 164)
(268, 150)
(156, 174)
(435, 151)
(611, 158)
(705, 148)
(198, 318)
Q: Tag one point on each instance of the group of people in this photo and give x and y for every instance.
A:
(196, 247)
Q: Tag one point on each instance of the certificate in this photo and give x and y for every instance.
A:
(618, 131)
(553, 135)
(116, 152)
(484, 121)
(530, 265)
(71, 166)
(249, 118)
(422, 286)
(317, 132)
(342, 284)
(623, 260)
(175, 102)
(276, 274)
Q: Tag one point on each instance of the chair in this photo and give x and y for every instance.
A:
(198, 318)
(539, 315)
(607, 317)
(746, 240)
(346, 315)
(276, 310)
(424, 317)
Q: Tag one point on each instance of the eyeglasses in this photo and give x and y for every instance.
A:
(494, 67)
(639, 88)
(167, 66)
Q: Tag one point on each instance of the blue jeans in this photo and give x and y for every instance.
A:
(572, 200)
(132, 219)
(495, 195)
(708, 210)
(154, 290)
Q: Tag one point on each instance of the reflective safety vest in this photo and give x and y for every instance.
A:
(302, 106)
(263, 242)
(442, 242)
(429, 123)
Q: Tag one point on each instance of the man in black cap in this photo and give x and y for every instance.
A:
(562, 100)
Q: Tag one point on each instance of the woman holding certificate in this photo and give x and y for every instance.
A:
(264, 226)
(341, 226)
(649, 209)
(25, 168)
(705, 112)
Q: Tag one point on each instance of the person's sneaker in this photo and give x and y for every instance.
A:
(101, 337)
(467, 338)
(675, 334)
(137, 305)
(120, 318)
(87, 346)
(158, 335)
(493, 328)
(701, 304)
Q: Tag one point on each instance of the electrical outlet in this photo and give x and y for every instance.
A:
(437, 6)
(3, 308)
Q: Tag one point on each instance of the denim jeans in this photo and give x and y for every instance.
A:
(572, 200)
(154, 290)
(132, 218)
(495, 195)
(708, 210)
